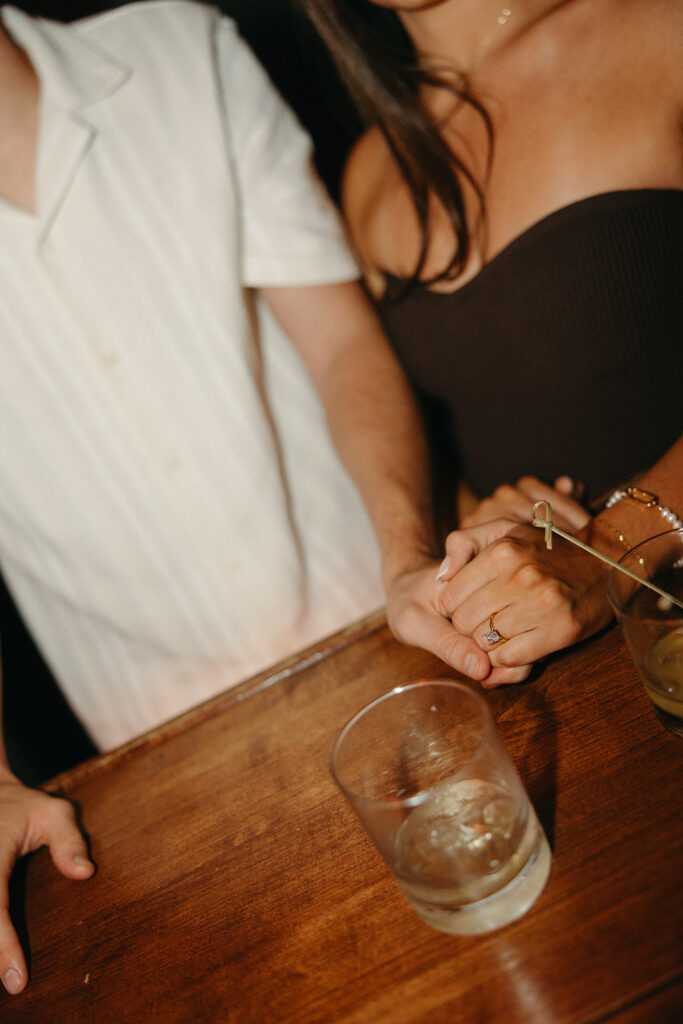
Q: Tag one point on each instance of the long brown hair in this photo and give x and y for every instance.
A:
(377, 61)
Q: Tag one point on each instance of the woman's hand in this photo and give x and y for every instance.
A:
(514, 501)
(501, 574)
(30, 819)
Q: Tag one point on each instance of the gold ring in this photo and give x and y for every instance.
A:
(494, 636)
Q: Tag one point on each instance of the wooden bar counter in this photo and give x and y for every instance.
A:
(235, 885)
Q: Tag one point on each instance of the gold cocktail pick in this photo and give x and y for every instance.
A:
(550, 528)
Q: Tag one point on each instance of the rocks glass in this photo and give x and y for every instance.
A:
(426, 772)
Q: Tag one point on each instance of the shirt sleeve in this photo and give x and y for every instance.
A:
(291, 231)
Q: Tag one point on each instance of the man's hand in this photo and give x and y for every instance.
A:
(30, 819)
(415, 619)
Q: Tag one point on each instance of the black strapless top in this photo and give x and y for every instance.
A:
(564, 354)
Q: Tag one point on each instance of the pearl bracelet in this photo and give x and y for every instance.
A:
(647, 500)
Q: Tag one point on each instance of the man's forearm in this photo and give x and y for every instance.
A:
(376, 427)
(371, 412)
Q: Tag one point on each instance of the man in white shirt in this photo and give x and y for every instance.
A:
(173, 516)
(142, 404)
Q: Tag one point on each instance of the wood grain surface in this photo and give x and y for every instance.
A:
(235, 885)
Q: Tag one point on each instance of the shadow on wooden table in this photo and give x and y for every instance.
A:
(528, 723)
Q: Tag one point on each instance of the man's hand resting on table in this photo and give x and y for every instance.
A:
(30, 819)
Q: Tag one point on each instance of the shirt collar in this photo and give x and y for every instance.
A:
(75, 73)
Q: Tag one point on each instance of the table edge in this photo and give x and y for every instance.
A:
(250, 687)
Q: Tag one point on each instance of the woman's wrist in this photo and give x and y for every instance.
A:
(607, 537)
(630, 516)
(646, 502)
(615, 531)
(634, 514)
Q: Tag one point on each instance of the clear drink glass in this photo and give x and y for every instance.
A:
(426, 772)
(652, 628)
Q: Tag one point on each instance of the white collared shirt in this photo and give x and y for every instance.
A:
(173, 517)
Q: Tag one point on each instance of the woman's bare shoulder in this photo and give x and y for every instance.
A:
(378, 208)
(368, 171)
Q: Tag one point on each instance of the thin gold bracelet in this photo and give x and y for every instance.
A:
(617, 532)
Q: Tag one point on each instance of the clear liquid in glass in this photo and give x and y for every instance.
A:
(466, 861)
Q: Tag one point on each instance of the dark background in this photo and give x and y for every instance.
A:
(42, 736)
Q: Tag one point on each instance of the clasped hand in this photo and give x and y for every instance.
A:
(498, 574)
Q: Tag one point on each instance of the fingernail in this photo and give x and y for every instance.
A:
(82, 862)
(470, 664)
(11, 979)
(444, 567)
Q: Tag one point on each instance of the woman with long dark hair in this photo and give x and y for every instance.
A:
(517, 205)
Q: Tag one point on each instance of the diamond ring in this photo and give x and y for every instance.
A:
(493, 636)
